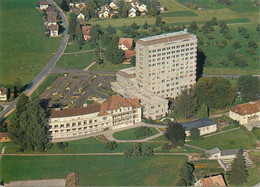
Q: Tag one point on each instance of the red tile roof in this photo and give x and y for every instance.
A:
(50, 9)
(86, 30)
(3, 134)
(54, 27)
(44, 3)
(213, 181)
(116, 102)
(127, 42)
(129, 54)
(95, 107)
(3, 90)
(247, 108)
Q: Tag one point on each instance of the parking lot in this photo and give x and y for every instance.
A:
(73, 90)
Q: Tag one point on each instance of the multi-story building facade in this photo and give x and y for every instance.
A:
(166, 64)
(153, 106)
(115, 112)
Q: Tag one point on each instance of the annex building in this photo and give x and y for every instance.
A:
(165, 64)
(246, 113)
(115, 112)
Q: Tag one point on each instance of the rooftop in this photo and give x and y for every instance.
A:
(44, 3)
(212, 151)
(217, 180)
(198, 124)
(86, 30)
(129, 53)
(128, 72)
(3, 134)
(50, 9)
(164, 38)
(247, 108)
(229, 152)
(54, 27)
(127, 42)
(3, 91)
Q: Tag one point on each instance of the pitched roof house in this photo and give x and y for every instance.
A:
(3, 94)
(43, 5)
(50, 10)
(125, 43)
(52, 20)
(114, 4)
(54, 30)
(129, 54)
(4, 137)
(216, 180)
(246, 113)
(86, 32)
(80, 16)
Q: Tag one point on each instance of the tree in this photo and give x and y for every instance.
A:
(106, 38)
(186, 175)
(18, 86)
(133, 60)
(72, 25)
(175, 133)
(249, 87)
(113, 54)
(194, 133)
(193, 26)
(238, 173)
(252, 44)
(21, 104)
(128, 153)
(239, 61)
(224, 62)
(29, 129)
(203, 111)
(158, 21)
(111, 30)
(95, 33)
(256, 131)
(236, 44)
(137, 149)
(111, 145)
(185, 103)
(64, 6)
(134, 26)
(215, 92)
(142, 132)
(145, 26)
(147, 151)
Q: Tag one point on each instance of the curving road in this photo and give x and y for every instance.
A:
(43, 74)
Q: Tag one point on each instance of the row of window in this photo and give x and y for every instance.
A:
(173, 57)
(168, 53)
(173, 47)
(75, 129)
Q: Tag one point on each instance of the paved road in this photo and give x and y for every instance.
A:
(43, 74)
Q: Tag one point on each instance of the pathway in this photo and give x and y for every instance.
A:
(221, 132)
(86, 51)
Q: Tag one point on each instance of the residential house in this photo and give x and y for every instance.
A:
(216, 180)
(43, 5)
(3, 94)
(54, 30)
(160, 9)
(114, 4)
(80, 16)
(131, 12)
(225, 157)
(246, 113)
(125, 43)
(50, 10)
(142, 7)
(115, 112)
(80, 5)
(86, 32)
(52, 20)
(4, 137)
(105, 12)
(205, 126)
(129, 54)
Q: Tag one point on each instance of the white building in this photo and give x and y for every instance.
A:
(126, 85)
(43, 5)
(166, 64)
(205, 126)
(246, 113)
(54, 30)
(3, 94)
(115, 112)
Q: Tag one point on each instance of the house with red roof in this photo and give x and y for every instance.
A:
(44, 5)
(246, 113)
(115, 112)
(3, 94)
(54, 30)
(86, 32)
(216, 180)
(125, 43)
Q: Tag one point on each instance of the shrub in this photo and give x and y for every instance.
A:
(142, 132)
(111, 145)
(128, 153)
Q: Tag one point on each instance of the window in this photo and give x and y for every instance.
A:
(73, 124)
(67, 125)
(62, 125)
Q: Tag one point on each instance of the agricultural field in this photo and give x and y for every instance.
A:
(95, 170)
(24, 48)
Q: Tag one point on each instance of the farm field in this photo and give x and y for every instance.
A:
(95, 170)
(229, 140)
(130, 134)
(24, 48)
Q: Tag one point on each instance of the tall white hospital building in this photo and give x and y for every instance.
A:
(165, 65)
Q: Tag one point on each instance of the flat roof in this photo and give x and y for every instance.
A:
(164, 38)
(198, 124)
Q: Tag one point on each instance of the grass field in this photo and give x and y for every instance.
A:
(255, 157)
(88, 145)
(47, 82)
(24, 48)
(130, 134)
(95, 170)
(76, 61)
(109, 66)
(228, 140)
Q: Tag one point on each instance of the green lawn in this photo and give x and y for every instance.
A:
(229, 140)
(253, 178)
(47, 82)
(179, 14)
(160, 138)
(107, 66)
(255, 157)
(24, 48)
(74, 48)
(129, 134)
(88, 145)
(208, 4)
(76, 61)
(95, 170)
